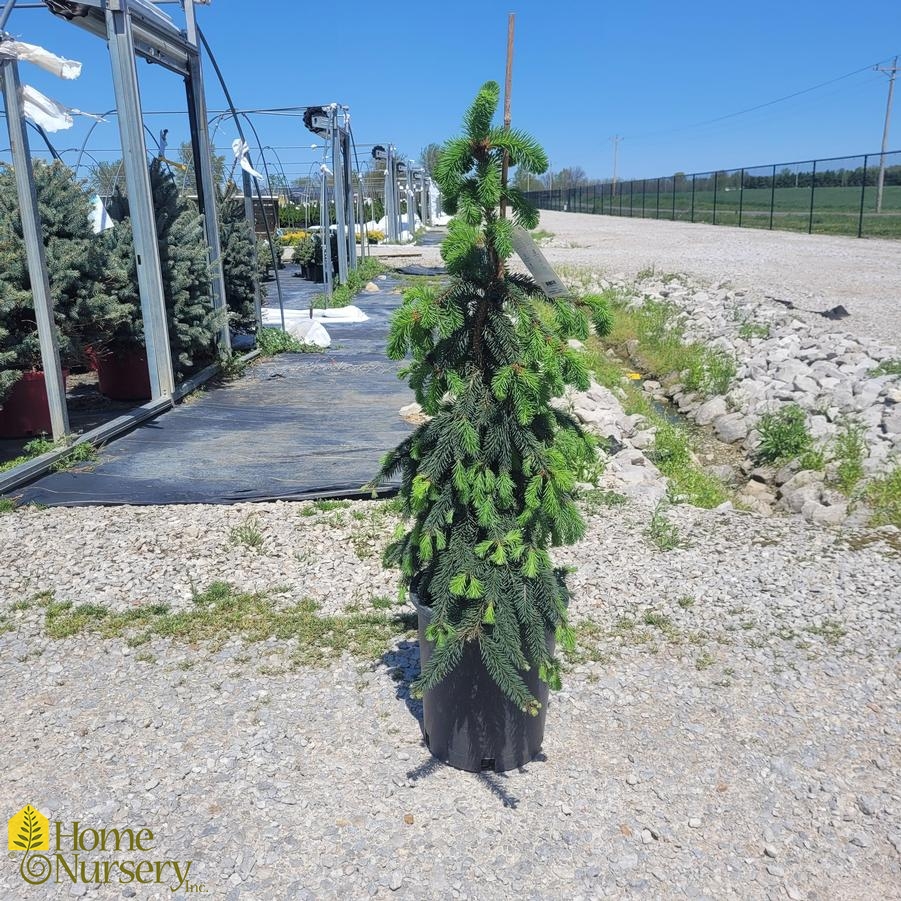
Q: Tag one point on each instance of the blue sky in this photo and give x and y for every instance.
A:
(584, 71)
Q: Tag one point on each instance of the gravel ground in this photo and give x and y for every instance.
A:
(817, 272)
(730, 727)
(730, 731)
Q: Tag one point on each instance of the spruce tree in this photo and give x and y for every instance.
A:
(488, 483)
(185, 270)
(75, 269)
(237, 245)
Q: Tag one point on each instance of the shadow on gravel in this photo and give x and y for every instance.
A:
(402, 664)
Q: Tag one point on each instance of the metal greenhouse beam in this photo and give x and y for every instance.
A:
(34, 249)
(140, 199)
(206, 187)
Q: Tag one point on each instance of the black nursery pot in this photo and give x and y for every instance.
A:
(468, 722)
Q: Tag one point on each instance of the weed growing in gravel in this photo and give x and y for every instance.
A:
(221, 612)
(326, 505)
(704, 661)
(884, 496)
(830, 631)
(595, 499)
(887, 367)
(671, 452)
(659, 621)
(541, 236)
(750, 329)
(686, 601)
(850, 450)
(663, 533)
(248, 534)
(7, 505)
(784, 436)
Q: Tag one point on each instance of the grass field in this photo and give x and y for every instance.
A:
(836, 210)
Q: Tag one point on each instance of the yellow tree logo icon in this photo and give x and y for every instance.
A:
(29, 830)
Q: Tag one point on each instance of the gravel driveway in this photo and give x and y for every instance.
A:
(816, 272)
(732, 730)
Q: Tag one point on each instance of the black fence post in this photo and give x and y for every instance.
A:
(813, 181)
(692, 196)
(631, 198)
(863, 193)
(644, 192)
(741, 196)
(657, 207)
(715, 178)
(674, 198)
(772, 196)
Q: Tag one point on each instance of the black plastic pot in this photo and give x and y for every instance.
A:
(467, 720)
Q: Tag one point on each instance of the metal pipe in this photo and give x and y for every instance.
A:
(34, 250)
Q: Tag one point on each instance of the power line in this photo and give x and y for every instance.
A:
(758, 106)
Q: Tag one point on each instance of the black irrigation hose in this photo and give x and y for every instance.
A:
(234, 112)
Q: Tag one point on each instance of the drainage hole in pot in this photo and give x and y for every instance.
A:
(487, 763)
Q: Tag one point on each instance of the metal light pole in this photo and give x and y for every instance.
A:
(891, 71)
(340, 194)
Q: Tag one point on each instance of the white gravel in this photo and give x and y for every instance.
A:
(734, 720)
(732, 729)
(817, 272)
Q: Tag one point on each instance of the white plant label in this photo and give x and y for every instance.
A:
(534, 260)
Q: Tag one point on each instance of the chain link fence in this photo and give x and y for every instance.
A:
(858, 195)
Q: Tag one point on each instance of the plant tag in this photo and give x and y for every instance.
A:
(535, 261)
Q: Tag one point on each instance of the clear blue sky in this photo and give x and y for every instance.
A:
(647, 70)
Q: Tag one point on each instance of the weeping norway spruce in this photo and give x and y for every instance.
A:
(489, 481)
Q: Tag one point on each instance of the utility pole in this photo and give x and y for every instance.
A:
(616, 139)
(891, 71)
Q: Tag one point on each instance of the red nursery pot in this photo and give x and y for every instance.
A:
(25, 413)
(123, 375)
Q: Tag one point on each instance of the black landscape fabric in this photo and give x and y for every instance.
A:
(295, 426)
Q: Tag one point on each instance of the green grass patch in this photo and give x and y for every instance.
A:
(221, 613)
(596, 499)
(884, 496)
(784, 436)
(850, 450)
(671, 452)
(247, 534)
(663, 533)
(273, 341)
(830, 631)
(79, 454)
(887, 367)
(749, 329)
(342, 295)
(672, 448)
(7, 505)
(658, 328)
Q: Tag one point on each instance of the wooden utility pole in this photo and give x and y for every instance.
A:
(891, 71)
(508, 87)
(616, 139)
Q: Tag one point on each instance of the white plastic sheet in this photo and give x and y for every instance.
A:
(298, 324)
(99, 218)
(48, 113)
(240, 149)
(31, 53)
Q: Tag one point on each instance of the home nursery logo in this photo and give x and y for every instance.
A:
(70, 848)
